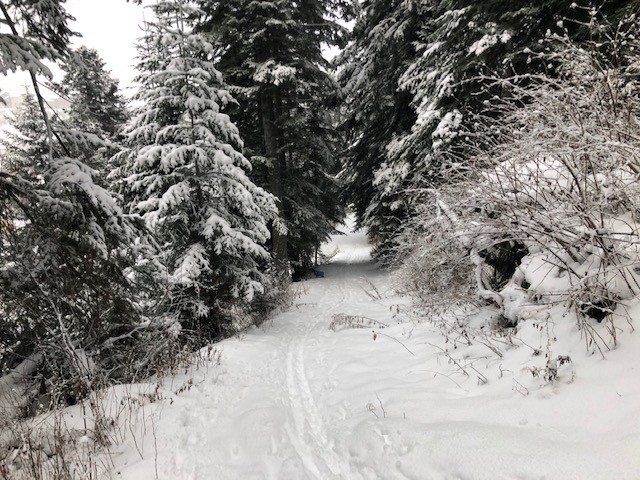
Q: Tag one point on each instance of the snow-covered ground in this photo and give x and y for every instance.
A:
(296, 399)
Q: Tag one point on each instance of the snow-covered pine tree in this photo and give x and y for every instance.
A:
(96, 112)
(188, 179)
(96, 105)
(271, 54)
(66, 296)
(458, 45)
(43, 34)
(26, 144)
(35, 32)
(376, 109)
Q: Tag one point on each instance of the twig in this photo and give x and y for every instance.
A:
(453, 360)
(518, 387)
(384, 412)
(395, 339)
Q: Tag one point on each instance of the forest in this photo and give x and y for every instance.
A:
(490, 151)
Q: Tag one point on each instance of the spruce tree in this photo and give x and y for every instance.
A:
(456, 50)
(376, 109)
(188, 179)
(36, 31)
(96, 111)
(271, 54)
(26, 144)
(96, 105)
(67, 269)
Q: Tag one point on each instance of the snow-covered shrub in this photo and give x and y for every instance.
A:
(549, 211)
(433, 253)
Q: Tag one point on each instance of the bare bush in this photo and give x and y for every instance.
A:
(435, 267)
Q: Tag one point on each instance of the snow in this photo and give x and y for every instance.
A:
(275, 73)
(431, 48)
(191, 265)
(487, 41)
(479, 46)
(296, 399)
(447, 128)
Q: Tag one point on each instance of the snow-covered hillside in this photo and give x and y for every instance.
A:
(296, 399)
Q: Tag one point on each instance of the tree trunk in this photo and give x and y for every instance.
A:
(275, 172)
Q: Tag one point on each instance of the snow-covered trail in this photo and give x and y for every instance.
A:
(296, 400)
(264, 415)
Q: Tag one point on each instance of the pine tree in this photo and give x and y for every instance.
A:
(188, 179)
(38, 31)
(460, 45)
(96, 105)
(96, 111)
(376, 109)
(26, 144)
(271, 54)
(460, 48)
(67, 265)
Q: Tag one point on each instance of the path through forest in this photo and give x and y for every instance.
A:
(295, 399)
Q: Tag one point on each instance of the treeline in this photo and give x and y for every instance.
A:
(418, 73)
(132, 234)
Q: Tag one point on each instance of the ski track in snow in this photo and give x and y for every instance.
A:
(293, 400)
(310, 437)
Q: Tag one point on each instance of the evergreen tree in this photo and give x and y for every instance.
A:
(271, 54)
(188, 179)
(376, 109)
(96, 105)
(96, 113)
(461, 47)
(38, 31)
(27, 144)
(67, 268)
